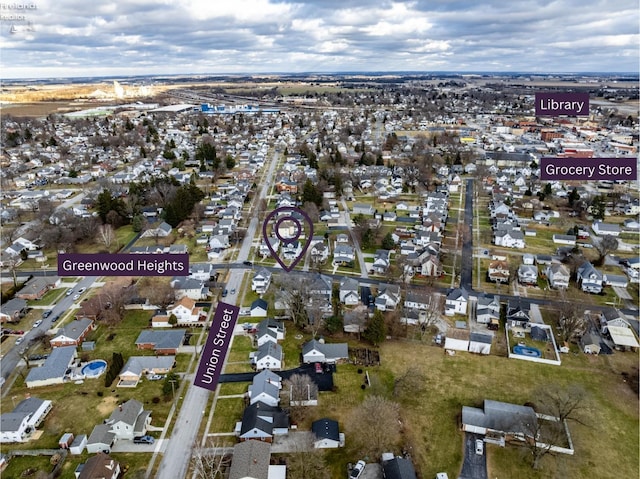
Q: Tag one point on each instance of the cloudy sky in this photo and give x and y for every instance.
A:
(63, 38)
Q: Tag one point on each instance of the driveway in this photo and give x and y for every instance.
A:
(474, 465)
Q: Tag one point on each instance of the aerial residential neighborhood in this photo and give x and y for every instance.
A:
(446, 305)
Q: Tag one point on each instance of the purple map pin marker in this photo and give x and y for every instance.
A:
(293, 215)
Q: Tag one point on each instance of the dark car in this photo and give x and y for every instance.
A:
(225, 293)
(143, 440)
(47, 313)
(247, 263)
(55, 318)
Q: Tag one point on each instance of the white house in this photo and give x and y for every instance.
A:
(317, 352)
(327, 434)
(349, 294)
(456, 302)
(269, 330)
(388, 297)
(265, 388)
(605, 229)
(261, 281)
(509, 239)
(589, 278)
(558, 276)
(268, 356)
(528, 274)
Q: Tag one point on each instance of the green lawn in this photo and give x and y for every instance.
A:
(228, 412)
(49, 298)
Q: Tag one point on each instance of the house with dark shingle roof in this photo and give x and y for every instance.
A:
(54, 368)
(137, 366)
(509, 421)
(327, 434)
(399, 468)
(100, 466)
(262, 422)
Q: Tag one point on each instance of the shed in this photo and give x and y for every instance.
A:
(78, 444)
(65, 441)
(590, 344)
(480, 343)
(539, 334)
(457, 340)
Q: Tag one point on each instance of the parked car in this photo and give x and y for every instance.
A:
(37, 323)
(69, 292)
(479, 447)
(357, 470)
(155, 377)
(82, 290)
(76, 297)
(318, 367)
(143, 440)
(247, 263)
(233, 290)
(19, 340)
(225, 293)
(55, 318)
(47, 313)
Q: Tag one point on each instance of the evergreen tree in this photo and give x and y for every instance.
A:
(376, 330)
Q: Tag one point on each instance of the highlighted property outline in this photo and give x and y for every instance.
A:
(275, 213)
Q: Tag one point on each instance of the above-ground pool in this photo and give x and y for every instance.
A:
(527, 351)
(94, 369)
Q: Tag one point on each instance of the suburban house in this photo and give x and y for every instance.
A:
(327, 434)
(363, 209)
(264, 250)
(161, 231)
(137, 366)
(127, 421)
(100, 466)
(265, 388)
(259, 308)
(13, 310)
(251, 461)
(457, 340)
(498, 271)
(27, 415)
(269, 330)
(558, 276)
(343, 254)
(319, 252)
(37, 287)
(381, 261)
(262, 422)
(509, 238)
(389, 296)
(500, 421)
(518, 315)
(417, 300)
(261, 281)
(618, 328)
(456, 302)
(528, 274)
(488, 310)
(162, 341)
(348, 292)
(315, 351)
(190, 287)
(605, 229)
(186, 312)
(268, 356)
(589, 278)
(73, 333)
(54, 369)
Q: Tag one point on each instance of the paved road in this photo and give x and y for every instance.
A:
(466, 266)
(474, 465)
(356, 245)
(175, 463)
(12, 357)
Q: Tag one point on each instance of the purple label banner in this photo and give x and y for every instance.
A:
(215, 349)
(123, 264)
(589, 169)
(554, 103)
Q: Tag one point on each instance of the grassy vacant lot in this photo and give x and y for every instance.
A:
(431, 417)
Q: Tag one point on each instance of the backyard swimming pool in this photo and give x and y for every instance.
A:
(94, 369)
(527, 351)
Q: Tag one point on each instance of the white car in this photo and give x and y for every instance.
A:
(76, 297)
(19, 340)
(357, 470)
(479, 447)
(37, 323)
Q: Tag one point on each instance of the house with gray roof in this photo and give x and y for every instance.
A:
(13, 310)
(129, 420)
(399, 468)
(73, 333)
(268, 356)
(265, 388)
(499, 419)
(161, 341)
(100, 466)
(269, 330)
(19, 424)
(589, 278)
(250, 460)
(100, 439)
(137, 366)
(315, 351)
(54, 369)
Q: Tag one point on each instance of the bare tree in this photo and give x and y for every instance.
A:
(375, 426)
(209, 461)
(307, 462)
(571, 321)
(295, 293)
(409, 384)
(106, 235)
(604, 246)
(297, 391)
(157, 290)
